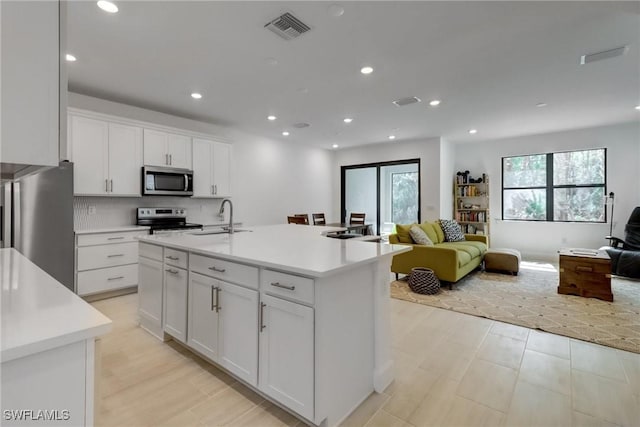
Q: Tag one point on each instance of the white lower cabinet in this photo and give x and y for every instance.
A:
(287, 354)
(175, 302)
(223, 325)
(150, 295)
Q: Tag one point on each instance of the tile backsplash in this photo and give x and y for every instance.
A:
(106, 212)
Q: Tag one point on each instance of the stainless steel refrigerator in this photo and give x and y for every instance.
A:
(37, 220)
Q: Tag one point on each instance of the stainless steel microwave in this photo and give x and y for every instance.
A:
(162, 181)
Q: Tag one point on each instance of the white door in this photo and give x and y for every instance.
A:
(238, 331)
(125, 159)
(286, 354)
(155, 148)
(179, 149)
(202, 332)
(221, 169)
(150, 293)
(202, 163)
(90, 154)
(175, 302)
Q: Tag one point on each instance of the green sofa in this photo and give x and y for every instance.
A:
(451, 261)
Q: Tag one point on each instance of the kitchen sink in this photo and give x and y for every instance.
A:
(209, 232)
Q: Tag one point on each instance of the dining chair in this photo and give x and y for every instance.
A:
(356, 218)
(318, 219)
(297, 220)
(305, 216)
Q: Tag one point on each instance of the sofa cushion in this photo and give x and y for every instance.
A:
(467, 250)
(428, 228)
(439, 232)
(419, 236)
(452, 230)
(402, 230)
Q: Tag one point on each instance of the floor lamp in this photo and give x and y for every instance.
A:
(610, 200)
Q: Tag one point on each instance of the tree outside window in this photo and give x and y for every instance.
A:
(404, 197)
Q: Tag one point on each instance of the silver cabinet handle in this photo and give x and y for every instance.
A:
(166, 159)
(172, 271)
(219, 270)
(170, 159)
(212, 190)
(215, 191)
(111, 185)
(186, 182)
(218, 308)
(262, 325)
(106, 185)
(213, 305)
(279, 285)
(114, 255)
(116, 278)
(115, 238)
(174, 258)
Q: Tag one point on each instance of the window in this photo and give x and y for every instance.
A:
(404, 197)
(568, 186)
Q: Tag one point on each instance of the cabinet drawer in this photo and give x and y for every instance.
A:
(175, 258)
(109, 238)
(226, 270)
(107, 279)
(150, 251)
(287, 285)
(596, 267)
(90, 257)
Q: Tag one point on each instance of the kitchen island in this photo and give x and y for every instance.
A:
(47, 348)
(301, 318)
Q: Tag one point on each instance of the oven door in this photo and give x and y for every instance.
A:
(160, 181)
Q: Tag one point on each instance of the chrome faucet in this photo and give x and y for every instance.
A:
(230, 228)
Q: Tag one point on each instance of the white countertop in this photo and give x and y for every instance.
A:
(38, 312)
(113, 229)
(295, 248)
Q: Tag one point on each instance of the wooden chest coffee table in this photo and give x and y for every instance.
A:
(585, 272)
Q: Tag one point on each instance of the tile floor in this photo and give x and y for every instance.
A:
(451, 370)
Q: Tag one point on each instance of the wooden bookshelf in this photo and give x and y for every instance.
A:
(471, 205)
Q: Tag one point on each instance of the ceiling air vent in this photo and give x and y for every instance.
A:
(287, 26)
(406, 101)
(301, 125)
(605, 54)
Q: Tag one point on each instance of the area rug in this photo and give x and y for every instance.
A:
(531, 300)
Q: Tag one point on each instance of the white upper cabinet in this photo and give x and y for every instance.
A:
(166, 149)
(107, 157)
(211, 168)
(30, 83)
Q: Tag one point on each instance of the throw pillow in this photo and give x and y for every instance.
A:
(452, 231)
(439, 233)
(419, 236)
(403, 233)
(428, 228)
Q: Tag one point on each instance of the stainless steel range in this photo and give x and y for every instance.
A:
(165, 219)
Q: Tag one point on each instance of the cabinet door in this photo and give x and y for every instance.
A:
(238, 331)
(90, 154)
(150, 295)
(221, 169)
(202, 164)
(125, 159)
(155, 148)
(30, 82)
(202, 332)
(179, 149)
(286, 354)
(175, 302)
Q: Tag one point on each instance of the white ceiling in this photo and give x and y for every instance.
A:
(489, 62)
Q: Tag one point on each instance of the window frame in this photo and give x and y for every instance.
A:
(550, 187)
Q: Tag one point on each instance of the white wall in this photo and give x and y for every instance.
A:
(270, 179)
(542, 240)
(428, 151)
(447, 160)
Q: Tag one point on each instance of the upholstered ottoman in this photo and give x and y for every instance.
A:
(502, 259)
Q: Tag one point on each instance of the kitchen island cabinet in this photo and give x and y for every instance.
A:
(302, 318)
(48, 349)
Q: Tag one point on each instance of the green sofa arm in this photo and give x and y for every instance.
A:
(443, 261)
(477, 238)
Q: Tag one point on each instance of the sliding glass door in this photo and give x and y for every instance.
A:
(388, 193)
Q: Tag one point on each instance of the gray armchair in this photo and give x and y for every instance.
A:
(625, 254)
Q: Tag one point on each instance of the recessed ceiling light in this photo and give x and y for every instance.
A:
(392, 137)
(347, 120)
(335, 146)
(107, 6)
(541, 104)
(472, 131)
(285, 133)
(70, 57)
(366, 70)
(271, 118)
(196, 95)
(637, 107)
(435, 102)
